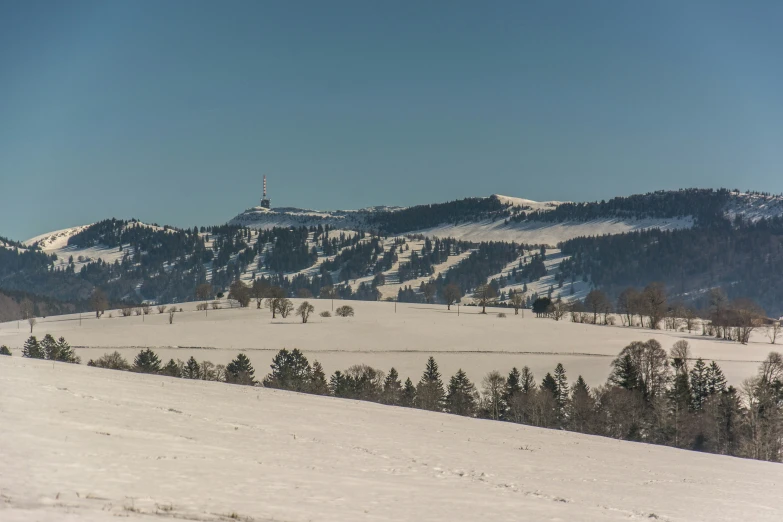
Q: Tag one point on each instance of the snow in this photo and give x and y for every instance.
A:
(382, 338)
(545, 233)
(89, 444)
(53, 241)
(528, 204)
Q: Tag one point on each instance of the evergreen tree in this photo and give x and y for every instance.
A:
(562, 390)
(49, 348)
(527, 381)
(429, 391)
(580, 407)
(65, 352)
(549, 385)
(462, 396)
(408, 394)
(392, 389)
(699, 384)
(32, 349)
(4, 350)
(716, 381)
(240, 371)
(338, 385)
(192, 369)
(171, 369)
(512, 389)
(146, 361)
(318, 384)
(624, 373)
(290, 371)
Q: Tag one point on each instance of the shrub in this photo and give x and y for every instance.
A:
(111, 361)
(126, 311)
(344, 311)
(145, 309)
(215, 305)
(161, 309)
(201, 307)
(4, 350)
(502, 315)
(325, 313)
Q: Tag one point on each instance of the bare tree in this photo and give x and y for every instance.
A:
(203, 293)
(451, 294)
(690, 318)
(517, 300)
(747, 316)
(275, 296)
(285, 307)
(485, 294)
(559, 309)
(680, 355)
(627, 303)
(772, 331)
(493, 386)
(654, 303)
(98, 302)
(328, 292)
(259, 291)
(239, 292)
(32, 321)
(596, 303)
(172, 311)
(161, 309)
(304, 310)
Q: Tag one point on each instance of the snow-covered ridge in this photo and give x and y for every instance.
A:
(528, 204)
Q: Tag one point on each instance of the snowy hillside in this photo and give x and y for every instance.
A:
(88, 444)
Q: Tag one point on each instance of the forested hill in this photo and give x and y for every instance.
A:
(743, 257)
(691, 239)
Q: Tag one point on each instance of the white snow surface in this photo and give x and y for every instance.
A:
(88, 444)
(381, 338)
(546, 233)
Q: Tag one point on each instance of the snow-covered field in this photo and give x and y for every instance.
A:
(82, 443)
(382, 338)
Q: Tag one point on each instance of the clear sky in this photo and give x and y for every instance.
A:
(171, 111)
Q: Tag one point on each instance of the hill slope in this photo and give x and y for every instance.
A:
(88, 444)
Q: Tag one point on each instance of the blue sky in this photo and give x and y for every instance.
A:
(171, 111)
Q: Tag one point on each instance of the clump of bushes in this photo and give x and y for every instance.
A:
(325, 313)
(110, 361)
(502, 315)
(344, 311)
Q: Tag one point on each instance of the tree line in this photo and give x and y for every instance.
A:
(651, 395)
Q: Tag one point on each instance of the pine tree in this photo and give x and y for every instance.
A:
(65, 352)
(290, 371)
(240, 371)
(32, 349)
(192, 369)
(549, 384)
(716, 381)
(4, 350)
(429, 391)
(562, 390)
(318, 384)
(513, 388)
(408, 394)
(580, 407)
(624, 373)
(527, 381)
(171, 369)
(392, 389)
(338, 385)
(49, 348)
(462, 396)
(146, 361)
(699, 384)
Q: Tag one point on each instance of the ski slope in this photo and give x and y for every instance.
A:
(88, 444)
